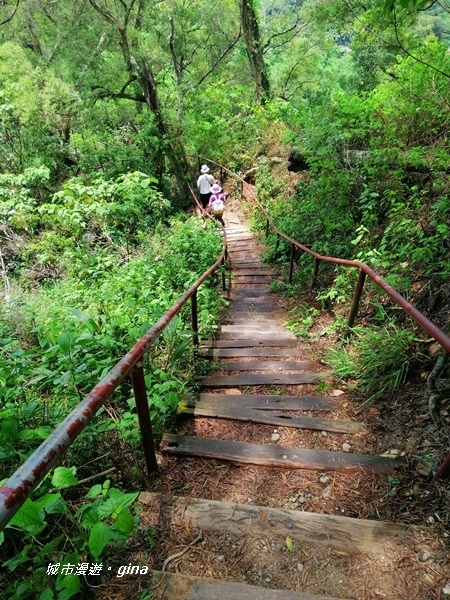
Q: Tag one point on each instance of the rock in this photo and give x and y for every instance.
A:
(338, 392)
(324, 433)
(275, 437)
(233, 391)
(431, 520)
(328, 491)
(221, 558)
(325, 479)
(424, 556)
(346, 447)
(302, 500)
(446, 589)
(300, 567)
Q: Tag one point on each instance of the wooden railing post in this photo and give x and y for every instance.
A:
(291, 262)
(315, 272)
(194, 314)
(356, 299)
(145, 424)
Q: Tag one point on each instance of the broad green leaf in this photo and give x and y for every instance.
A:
(98, 538)
(47, 594)
(28, 518)
(63, 477)
(95, 490)
(124, 521)
(64, 341)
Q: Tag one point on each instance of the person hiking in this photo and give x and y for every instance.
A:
(217, 203)
(204, 183)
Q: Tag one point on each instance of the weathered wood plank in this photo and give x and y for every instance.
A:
(344, 534)
(276, 456)
(262, 365)
(249, 352)
(243, 270)
(256, 334)
(242, 413)
(267, 402)
(176, 586)
(250, 293)
(246, 343)
(261, 379)
(263, 279)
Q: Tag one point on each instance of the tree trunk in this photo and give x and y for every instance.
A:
(249, 23)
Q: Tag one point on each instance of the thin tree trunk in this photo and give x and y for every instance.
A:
(249, 23)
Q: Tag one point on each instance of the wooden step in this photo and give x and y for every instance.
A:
(246, 343)
(343, 534)
(261, 379)
(265, 351)
(266, 365)
(265, 402)
(175, 586)
(257, 335)
(276, 456)
(260, 279)
(250, 415)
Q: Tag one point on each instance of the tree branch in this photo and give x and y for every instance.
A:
(11, 15)
(217, 61)
(399, 42)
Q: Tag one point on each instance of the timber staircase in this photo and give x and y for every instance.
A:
(258, 369)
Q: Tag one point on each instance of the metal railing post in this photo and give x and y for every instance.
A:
(242, 188)
(145, 424)
(267, 227)
(194, 313)
(291, 262)
(315, 272)
(356, 299)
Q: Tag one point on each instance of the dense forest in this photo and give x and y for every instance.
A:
(104, 107)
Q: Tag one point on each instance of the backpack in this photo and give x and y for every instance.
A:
(217, 207)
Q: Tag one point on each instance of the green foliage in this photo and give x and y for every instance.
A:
(379, 360)
(44, 565)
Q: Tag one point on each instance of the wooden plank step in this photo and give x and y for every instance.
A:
(265, 325)
(261, 379)
(246, 343)
(249, 263)
(177, 586)
(265, 402)
(262, 365)
(276, 456)
(250, 293)
(256, 334)
(263, 279)
(244, 269)
(241, 413)
(343, 534)
(249, 352)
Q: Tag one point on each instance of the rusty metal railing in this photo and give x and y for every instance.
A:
(364, 270)
(20, 485)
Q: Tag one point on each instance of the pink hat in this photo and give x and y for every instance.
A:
(216, 189)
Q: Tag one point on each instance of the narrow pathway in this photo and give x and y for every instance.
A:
(267, 462)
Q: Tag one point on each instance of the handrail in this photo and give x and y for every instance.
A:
(442, 338)
(23, 481)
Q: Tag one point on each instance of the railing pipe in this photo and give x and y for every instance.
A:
(267, 228)
(224, 283)
(356, 298)
(145, 424)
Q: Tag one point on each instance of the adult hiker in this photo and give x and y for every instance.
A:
(204, 183)
(217, 203)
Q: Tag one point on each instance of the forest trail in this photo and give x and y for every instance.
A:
(265, 489)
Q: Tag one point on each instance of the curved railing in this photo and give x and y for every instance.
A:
(20, 485)
(364, 270)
